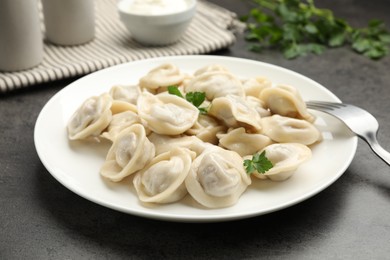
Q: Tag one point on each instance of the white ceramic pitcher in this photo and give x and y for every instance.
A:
(21, 45)
(69, 22)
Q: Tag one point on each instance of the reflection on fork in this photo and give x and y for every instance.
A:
(359, 121)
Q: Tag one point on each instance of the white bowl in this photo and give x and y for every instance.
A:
(156, 29)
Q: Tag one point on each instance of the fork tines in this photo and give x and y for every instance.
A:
(324, 105)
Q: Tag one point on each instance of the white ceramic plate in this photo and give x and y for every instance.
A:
(76, 165)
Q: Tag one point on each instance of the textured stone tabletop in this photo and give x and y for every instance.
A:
(41, 219)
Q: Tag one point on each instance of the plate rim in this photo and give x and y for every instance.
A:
(186, 218)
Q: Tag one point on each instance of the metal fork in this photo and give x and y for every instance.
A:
(359, 121)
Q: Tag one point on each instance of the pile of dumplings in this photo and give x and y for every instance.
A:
(171, 149)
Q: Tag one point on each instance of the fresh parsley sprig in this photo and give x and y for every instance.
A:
(174, 90)
(298, 27)
(195, 98)
(259, 163)
(372, 41)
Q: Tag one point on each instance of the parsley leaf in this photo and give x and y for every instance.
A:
(371, 41)
(298, 27)
(174, 90)
(259, 163)
(195, 98)
(203, 110)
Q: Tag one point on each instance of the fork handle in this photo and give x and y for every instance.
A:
(377, 148)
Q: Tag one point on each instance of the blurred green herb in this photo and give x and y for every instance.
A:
(298, 27)
(174, 90)
(195, 98)
(259, 163)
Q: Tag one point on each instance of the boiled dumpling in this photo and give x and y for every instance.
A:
(187, 79)
(286, 101)
(91, 118)
(119, 122)
(165, 143)
(122, 106)
(283, 129)
(217, 178)
(124, 98)
(130, 152)
(125, 93)
(216, 84)
(235, 112)
(286, 158)
(254, 86)
(206, 129)
(258, 105)
(162, 76)
(166, 114)
(243, 143)
(162, 180)
(210, 68)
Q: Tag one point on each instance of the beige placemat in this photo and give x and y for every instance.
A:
(211, 29)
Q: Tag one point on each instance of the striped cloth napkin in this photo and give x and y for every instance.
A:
(211, 29)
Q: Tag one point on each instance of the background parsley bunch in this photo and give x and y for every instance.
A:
(298, 27)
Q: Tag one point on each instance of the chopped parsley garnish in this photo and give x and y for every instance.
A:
(195, 98)
(259, 163)
(174, 91)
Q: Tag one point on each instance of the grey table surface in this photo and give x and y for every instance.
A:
(41, 219)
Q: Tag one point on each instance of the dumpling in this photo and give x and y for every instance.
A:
(206, 129)
(243, 143)
(216, 84)
(166, 114)
(217, 178)
(286, 158)
(286, 101)
(119, 122)
(235, 112)
(283, 129)
(122, 106)
(187, 79)
(91, 118)
(125, 93)
(162, 180)
(130, 152)
(162, 76)
(258, 105)
(254, 86)
(165, 143)
(124, 98)
(210, 68)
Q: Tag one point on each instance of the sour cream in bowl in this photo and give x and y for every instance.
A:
(156, 22)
